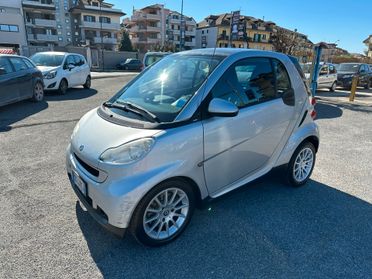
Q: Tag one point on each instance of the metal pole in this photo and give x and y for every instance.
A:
(314, 78)
(100, 20)
(182, 31)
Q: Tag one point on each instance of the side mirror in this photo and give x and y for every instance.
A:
(70, 66)
(223, 108)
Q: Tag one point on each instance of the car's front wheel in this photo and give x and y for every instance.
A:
(38, 93)
(301, 164)
(63, 86)
(164, 213)
(87, 83)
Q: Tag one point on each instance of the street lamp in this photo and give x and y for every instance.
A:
(182, 33)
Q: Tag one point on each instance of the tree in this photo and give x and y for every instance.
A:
(125, 43)
(289, 42)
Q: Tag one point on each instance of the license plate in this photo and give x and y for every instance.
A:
(79, 183)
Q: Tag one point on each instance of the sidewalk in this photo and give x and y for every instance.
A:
(98, 75)
(362, 97)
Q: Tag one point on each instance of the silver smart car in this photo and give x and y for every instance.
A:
(195, 125)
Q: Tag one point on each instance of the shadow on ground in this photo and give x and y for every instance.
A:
(72, 94)
(265, 229)
(327, 111)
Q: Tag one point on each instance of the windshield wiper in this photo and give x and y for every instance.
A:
(128, 106)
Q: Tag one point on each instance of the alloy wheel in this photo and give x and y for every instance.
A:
(166, 213)
(38, 92)
(303, 164)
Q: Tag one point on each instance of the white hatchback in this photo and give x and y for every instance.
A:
(62, 70)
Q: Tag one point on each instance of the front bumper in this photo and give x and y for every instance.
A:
(51, 84)
(97, 215)
(344, 82)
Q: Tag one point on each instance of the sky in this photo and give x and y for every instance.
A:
(346, 22)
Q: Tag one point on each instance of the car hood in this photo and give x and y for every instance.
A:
(93, 135)
(46, 69)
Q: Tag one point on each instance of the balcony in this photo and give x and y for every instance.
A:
(41, 22)
(97, 25)
(47, 38)
(145, 41)
(39, 4)
(109, 41)
(143, 16)
(190, 33)
(190, 44)
(263, 28)
(103, 9)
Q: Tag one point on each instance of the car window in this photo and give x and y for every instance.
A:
(283, 82)
(324, 70)
(78, 60)
(5, 66)
(28, 63)
(247, 82)
(70, 60)
(332, 69)
(18, 64)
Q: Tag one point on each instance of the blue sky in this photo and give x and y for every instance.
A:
(349, 21)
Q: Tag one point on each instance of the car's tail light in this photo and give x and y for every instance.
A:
(313, 111)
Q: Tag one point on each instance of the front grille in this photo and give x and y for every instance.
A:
(87, 167)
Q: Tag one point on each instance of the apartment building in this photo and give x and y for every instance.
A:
(96, 23)
(214, 31)
(368, 43)
(12, 28)
(48, 22)
(155, 25)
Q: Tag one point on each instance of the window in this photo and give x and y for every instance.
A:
(323, 70)
(104, 19)
(248, 81)
(18, 64)
(13, 28)
(332, 69)
(28, 63)
(89, 18)
(5, 66)
(70, 60)
(9, 28)
(78, 60)
(283, 83)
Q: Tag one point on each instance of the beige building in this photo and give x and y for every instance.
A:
(155, 26)
(368, 43)
(96, 23)
(12, 28)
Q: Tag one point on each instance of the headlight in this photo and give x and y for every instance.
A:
(128, 152)
(347, 76)
(50, 75)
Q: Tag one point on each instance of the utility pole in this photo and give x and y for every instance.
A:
(182, 33)
(101, 21)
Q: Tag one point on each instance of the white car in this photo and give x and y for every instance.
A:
(62, 70)
(327, 78)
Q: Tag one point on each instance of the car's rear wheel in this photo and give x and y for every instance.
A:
(38, 93)
(368, 84)
(88, 82)
(164, 213)
(333, 87)
(63, 86)
(301, 164)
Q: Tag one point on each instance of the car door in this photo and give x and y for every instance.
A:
(23, 77)
(79, 71)
(69, 69)
(323, 80)
(332, 74)
(236, 147)
(9, 90)
(363, 74)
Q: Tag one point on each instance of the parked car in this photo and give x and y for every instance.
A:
(152, 57)
(195, 126)
(348, 70)
(19, 80)
(327, 78)
(130, 64)
(62, 70)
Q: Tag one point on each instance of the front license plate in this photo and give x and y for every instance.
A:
(79, 183)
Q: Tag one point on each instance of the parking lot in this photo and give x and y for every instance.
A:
(265, 229)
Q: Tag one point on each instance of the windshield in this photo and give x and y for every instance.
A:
(51, 60)
(349, 68)
(166, 87)
(152, 58)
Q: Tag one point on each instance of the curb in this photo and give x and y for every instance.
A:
(113, 75)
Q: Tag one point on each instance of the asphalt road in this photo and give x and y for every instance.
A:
(264, 230)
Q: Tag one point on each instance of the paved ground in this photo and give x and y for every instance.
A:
(266, 229)
(99, 75)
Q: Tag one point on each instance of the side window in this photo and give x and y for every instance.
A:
(323, 71)
(70, 60)
(18, 64)
(28, 63)
(77, 60)
(283, 83)
(5, 66)
(247, 82)
(332, 69)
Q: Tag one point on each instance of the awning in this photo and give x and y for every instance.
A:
(7, 51)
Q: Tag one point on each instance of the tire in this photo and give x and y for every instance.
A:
(151, 219)
(63, 86)
(333, 87)
(368, 84)
(88, 82)
(126, 68)
(38, 93)
(294, 178)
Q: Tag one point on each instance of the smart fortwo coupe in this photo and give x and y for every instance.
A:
(193, 126)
